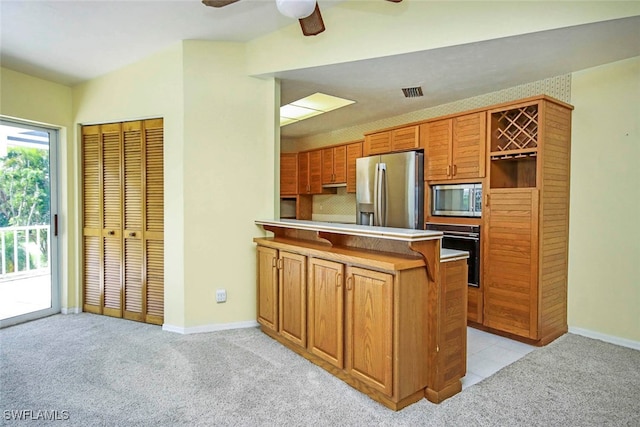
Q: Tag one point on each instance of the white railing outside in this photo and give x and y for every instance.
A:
(22, 250)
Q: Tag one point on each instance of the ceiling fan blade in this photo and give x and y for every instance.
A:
(312, 24)
(218, 3)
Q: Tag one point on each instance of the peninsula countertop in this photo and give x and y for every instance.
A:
(402, 234)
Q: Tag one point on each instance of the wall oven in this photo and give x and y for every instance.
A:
(463, 238)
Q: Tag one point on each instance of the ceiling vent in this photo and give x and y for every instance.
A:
(412, 92)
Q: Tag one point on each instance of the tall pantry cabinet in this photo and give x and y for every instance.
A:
(123, 220)
(526, 219)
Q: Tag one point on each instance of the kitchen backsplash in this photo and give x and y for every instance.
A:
(558, 87)
(340, 207)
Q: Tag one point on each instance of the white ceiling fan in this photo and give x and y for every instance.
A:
(306, 12)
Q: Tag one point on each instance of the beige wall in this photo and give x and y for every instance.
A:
(604, 239)
(228, 179)
(45, 103)
(219, 169)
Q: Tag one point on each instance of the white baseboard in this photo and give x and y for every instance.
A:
(209, 328)
(606, 338)
(70, 310)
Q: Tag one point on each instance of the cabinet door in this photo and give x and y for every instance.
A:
(267, 288)
(303, 173)
(288, 174)
(370, 327)
(327, 166)
(315, 171)
(468, 147)
(405, 138)
(511, 261)
(293, 297)
(437, 149)
(326, 311)
(377, 143)
(354, 151)
(340, 164)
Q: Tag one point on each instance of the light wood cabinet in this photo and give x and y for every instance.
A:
(288, 174)
(310, 172)
(401, 139)
(354, 151)
(326, 310)
(123, 223)
(267, 289)
(334, 165)
(526, 217)
(454, 147)
(375, 317)
(370, 327)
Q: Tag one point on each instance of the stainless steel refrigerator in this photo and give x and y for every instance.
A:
(390, 190)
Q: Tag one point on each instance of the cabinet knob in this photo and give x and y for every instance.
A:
(132, 234)
(349, 282)
(448, 170)
(455, 170)
(111, 233)
(338, 280)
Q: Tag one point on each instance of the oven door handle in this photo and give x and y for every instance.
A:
(460, 237)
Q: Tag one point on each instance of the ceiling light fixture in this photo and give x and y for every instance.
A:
(310, 106)
(297, 9)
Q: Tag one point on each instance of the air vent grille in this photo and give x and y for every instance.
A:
(412, 92)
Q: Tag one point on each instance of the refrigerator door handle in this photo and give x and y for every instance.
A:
(383, 194)
(376, 196)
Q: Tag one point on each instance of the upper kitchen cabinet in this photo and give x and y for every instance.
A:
(454, 147)
(288, 174)
(334, 165)
(354, 151)
(401, 139)
(310, 172)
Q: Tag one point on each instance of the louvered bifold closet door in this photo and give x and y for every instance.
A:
(92, 219)
(132, 214)
(111, 137)
(154, 221)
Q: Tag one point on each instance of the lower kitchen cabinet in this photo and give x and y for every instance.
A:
(370, 327)
(364, 317)
(326, 310)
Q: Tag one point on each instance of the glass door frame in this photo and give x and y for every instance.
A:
(54, 221)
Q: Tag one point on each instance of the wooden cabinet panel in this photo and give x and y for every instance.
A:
(310, 172)
(405, 138)
(303, 173)
(326, 311)
(334, 165)
(437, 149)
(267, 288)
(354, 151)
(377, 143)
(511, 261)
(293, 297)
(370, 327)
(468, 146)
(288, 174)
(455, 148)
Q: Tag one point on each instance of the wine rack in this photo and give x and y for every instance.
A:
(515, 133)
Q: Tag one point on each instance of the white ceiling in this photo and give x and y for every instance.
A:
(74, 41)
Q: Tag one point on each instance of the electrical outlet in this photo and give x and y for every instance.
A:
(221, 295)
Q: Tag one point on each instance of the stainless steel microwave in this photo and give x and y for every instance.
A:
(456, 200)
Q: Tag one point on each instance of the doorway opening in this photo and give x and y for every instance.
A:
(28, 222)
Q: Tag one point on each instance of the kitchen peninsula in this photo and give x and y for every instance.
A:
(383, 309)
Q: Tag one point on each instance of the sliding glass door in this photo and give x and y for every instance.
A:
(28, 222)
